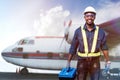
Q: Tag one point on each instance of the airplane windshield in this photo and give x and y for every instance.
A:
(26, 42)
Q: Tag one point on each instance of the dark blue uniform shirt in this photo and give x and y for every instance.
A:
(77, 42)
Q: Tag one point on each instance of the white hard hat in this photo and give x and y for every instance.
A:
(89, 9)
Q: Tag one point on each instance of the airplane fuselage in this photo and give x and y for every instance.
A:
(39, 52)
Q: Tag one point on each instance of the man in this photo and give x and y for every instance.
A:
(87, 42)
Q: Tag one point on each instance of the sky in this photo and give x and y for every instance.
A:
(23, 18)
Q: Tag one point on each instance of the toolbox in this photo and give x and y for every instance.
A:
(66, 74)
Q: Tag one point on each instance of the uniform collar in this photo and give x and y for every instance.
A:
(85, 27)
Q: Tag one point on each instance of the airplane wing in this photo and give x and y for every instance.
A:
(112, 29)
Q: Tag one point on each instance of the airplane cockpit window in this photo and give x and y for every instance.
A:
(26, 42)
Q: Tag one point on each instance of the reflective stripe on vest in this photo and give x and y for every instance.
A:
(86, 54)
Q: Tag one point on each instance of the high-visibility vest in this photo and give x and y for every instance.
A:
(92, 53)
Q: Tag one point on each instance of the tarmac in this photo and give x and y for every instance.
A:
(30, 76)
(41, 76)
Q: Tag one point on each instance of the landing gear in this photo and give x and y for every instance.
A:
(23, 71)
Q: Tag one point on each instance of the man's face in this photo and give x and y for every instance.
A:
(89, 18)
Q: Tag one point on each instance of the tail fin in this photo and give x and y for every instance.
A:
(66, 36)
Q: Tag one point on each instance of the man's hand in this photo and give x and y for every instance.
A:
(68, 62)
(107, 66)
(105, 72)
(68, 66)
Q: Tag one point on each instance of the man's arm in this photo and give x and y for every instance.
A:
(70, 57)
(106, 55)
(73, 48)
(69, 60)
(104, 47)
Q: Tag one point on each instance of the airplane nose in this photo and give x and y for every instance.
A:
(4, 54)
(7, 52)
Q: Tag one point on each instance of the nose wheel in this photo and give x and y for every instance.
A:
(24, 71)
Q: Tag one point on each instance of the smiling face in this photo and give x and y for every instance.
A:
(89, 18)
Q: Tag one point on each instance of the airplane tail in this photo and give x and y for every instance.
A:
(66, 36)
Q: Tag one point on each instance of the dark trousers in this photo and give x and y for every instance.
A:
(88, 68)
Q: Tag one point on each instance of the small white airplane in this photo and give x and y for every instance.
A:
(51, 52)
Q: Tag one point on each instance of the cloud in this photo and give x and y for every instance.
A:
(109, 10)
(106, 10)
(51, 22)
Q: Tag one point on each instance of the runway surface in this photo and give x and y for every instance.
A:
(39, 76)
(30, 76)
